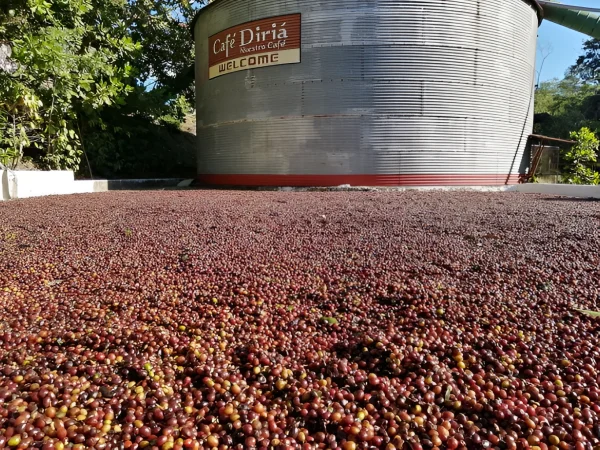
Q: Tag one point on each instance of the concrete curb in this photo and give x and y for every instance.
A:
(347, 188)
(563, 190)
(26, 184)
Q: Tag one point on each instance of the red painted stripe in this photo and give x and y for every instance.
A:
(357, 180)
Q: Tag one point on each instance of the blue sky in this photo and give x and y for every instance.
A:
(564, 45)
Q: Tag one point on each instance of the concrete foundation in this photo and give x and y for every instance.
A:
(26, 184)
(565, 190)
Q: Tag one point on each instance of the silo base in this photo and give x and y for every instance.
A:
(356, 180)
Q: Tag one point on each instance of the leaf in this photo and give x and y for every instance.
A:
(588, 313)
(330, 320)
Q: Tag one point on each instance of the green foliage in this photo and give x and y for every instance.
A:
(132, 147)
(140, 137)
(580, 157)
(587, 67)
(161, 26)
(574, 103)
(73, 60)
(588, 312)
(175, 112)
(330, 320)
(566, 105)
(84, 68)
(19, 122)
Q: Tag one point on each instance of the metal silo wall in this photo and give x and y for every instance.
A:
(389, 92)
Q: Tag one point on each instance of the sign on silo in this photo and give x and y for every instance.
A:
(261, 43)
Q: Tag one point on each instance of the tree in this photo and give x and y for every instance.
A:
(566, 104)
(574, 104)
(580, 158)
(162, 28)
(19, 115)
(587, 67)
(163, 68)
(545, 50)
(126, 140)
(73, 59)
(97, 70)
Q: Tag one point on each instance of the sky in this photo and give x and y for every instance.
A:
(562, 45)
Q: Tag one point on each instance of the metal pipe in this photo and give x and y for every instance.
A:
(578, 18)
(563, 6)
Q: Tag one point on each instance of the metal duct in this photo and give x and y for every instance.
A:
(583, 19)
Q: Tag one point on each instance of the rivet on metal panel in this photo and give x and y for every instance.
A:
(250, 81)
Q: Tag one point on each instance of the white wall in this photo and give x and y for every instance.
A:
(35, 183)
(26, 184)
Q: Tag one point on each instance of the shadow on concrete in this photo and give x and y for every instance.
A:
(146, 184)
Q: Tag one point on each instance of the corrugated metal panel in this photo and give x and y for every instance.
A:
(393, 91)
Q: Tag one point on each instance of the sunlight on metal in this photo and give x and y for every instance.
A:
(578, 18)
(563, 6)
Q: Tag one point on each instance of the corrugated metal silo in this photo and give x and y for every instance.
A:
(364, 92)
